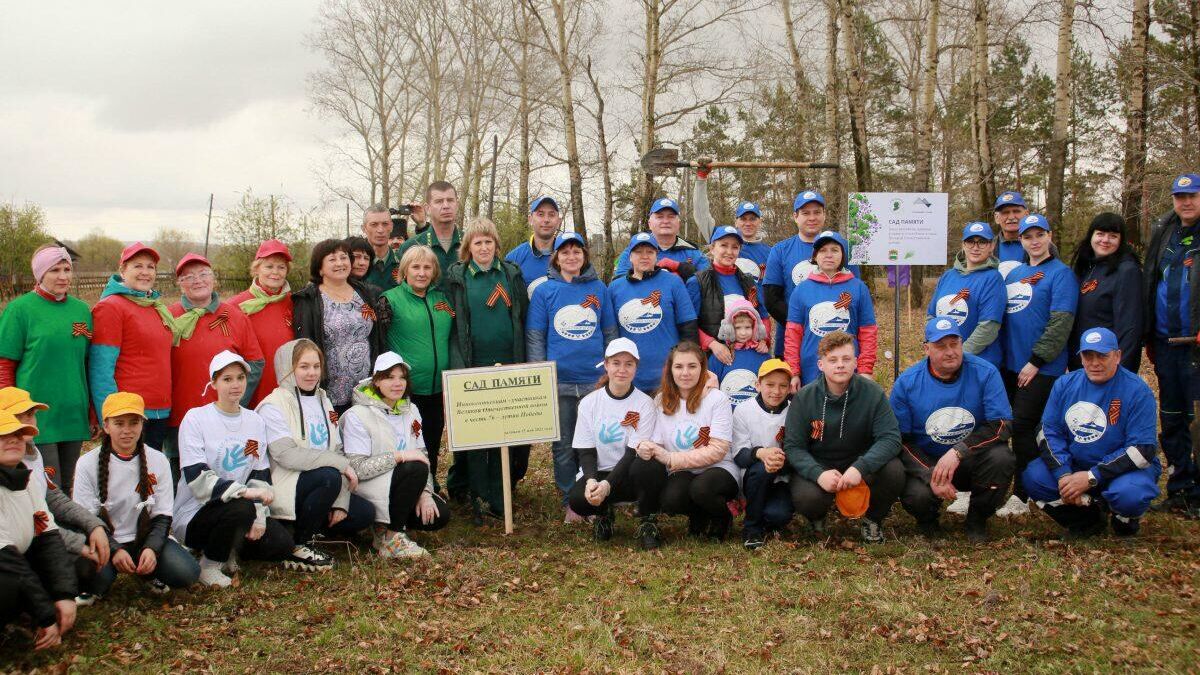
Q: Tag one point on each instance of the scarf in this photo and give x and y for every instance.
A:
(262, 298)
(185, 324)
(722, 269)
(142, 299)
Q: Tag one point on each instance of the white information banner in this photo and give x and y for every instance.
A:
(897, 228)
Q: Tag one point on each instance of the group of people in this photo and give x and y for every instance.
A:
(700, 382)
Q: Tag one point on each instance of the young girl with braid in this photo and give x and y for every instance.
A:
(128, 485)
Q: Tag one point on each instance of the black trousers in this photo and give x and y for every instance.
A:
(699, 495)
(1028, 404)
(433, 422)
(986, 474)
(643, 484)
(813, 502)
(219, 528)
(408, 482)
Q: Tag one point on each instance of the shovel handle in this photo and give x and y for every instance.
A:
(764, 165)
(1181, 341)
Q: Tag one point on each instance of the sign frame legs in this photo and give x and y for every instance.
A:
(506, 481)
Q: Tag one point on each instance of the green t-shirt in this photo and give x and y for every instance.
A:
(50, 340)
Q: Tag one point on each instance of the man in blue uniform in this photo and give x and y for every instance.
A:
(533, 256)
(1097, 443)
(955, 423)
(675, 254)
(1009, 211)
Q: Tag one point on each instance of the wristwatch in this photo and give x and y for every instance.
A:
(1092, 482)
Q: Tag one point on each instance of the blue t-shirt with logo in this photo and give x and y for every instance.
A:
(970, 298)
(533, 264)
(824, 308)
(1032, 293)
(937, 415)
(737, 379)
(648, 312)
(788, 264)
(574, 316)
(1087, 423)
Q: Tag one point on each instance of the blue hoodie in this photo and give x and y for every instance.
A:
(570, 323)
(649, 312)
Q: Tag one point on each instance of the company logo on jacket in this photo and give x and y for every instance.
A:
(826, 317)
(1086, 421)
(640, 315)
(1019, 294)
(955, 306)
(950, 425)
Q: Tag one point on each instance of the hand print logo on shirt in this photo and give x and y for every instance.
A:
(1086, 421)
(401, 444)
(233, 455)
(610, 433)
(318, 433)
(686, 437)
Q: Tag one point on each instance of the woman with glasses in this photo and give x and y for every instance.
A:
(972, 293)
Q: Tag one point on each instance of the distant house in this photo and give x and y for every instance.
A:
(70, 251)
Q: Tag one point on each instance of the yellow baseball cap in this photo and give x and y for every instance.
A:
(17, 401)
(771, 365)
(123, 403)
(9, 424)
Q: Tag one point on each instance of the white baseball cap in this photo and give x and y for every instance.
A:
(386, 361)
(620, 346)
(225, 358)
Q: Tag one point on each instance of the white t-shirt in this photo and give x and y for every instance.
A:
(232, 446)
(356, 440)
(124, 504)
(754, 427)
(612, 424)
(681, 431)
(317, 428)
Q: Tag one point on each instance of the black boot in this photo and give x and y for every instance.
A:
(718, 528)
(697, 524)
(976, 529)
(1125, 527)
(602, 526)
(647, 533)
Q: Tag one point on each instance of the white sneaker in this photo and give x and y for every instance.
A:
(213, 576)
(308, 560)
(960, 504)
(86, 599)
(1013, 507)
(398, 545)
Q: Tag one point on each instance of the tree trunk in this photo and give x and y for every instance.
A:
(1134, 168)
(644, 193)
(1062, 114)
(923, 173)
(985, 172)
(856, 96)
(565, 58)
(610, 252)
(833, 124)
(524, 112)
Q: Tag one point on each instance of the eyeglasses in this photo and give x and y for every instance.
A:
(196, 277)
(977, 243)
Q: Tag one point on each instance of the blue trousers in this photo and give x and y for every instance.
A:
(1128, 495)
(176, 568)
(566, 465)
(1177, 388)
(768, 504)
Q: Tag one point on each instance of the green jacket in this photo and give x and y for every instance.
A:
(445, 258)
(456, 289)
(855, 429)
(419, 329)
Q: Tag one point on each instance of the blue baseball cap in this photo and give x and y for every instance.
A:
(642, 238)
(533, 206)
(568, 238)
(1033, 220)
(747, 207)
(826, 237)
(1009, 198)
(806, 197)
(665, 203)
(938, 327)
(1188, 183)
(977, 228)
(726, 231)
(1100, 340)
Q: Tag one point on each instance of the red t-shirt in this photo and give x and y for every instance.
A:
(273, 328)
(226, 328)
(144, 362)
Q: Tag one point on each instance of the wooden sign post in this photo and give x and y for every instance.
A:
(501, 406)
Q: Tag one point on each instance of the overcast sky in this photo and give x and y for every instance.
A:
(124, 116)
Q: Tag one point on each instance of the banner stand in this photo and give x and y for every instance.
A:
(506, 479)
(896, 325)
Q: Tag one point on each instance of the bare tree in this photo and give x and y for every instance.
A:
(856, 96)
(604, 160)
(985, 173)
(1062, 115)
(833, 123)
(1133, 174)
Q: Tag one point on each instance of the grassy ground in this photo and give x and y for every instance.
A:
(548, 599)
